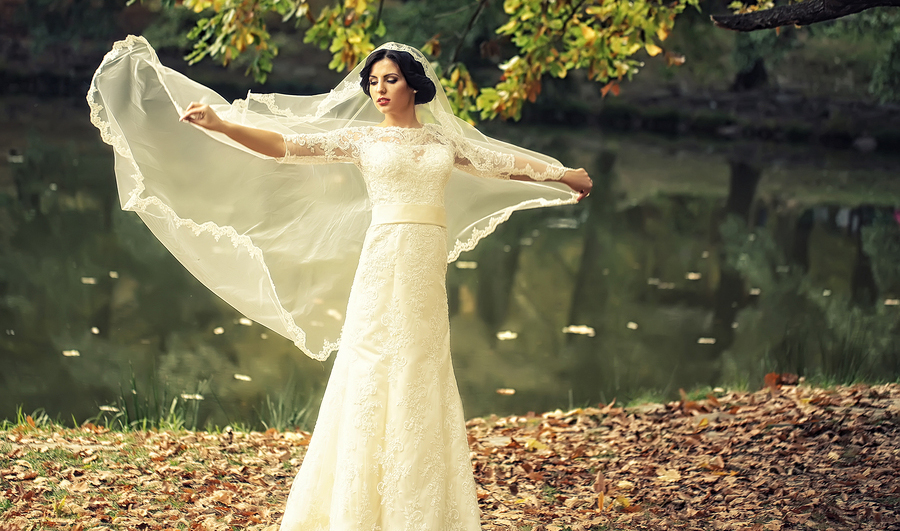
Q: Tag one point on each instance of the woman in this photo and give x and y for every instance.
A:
(389, 450)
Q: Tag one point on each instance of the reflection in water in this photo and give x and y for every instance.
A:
(684, 267)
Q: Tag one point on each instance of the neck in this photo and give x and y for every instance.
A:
(407, 119)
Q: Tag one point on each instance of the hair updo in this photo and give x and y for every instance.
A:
(411, 69)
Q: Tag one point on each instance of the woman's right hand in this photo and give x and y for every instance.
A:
(268, 143)
(202, 115)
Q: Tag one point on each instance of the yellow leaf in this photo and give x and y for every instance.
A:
(509, 26)
(534, 444)
(662, 33)
(653, 49)
(510, 6)
(600, 502)
(589, 34)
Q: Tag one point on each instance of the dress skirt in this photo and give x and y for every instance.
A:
(389, 450)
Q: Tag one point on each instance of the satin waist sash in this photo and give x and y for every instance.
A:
(404, 213)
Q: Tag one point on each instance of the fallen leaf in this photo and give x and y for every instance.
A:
(600, 482)
(667, 475)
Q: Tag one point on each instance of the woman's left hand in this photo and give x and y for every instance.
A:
(579, 181)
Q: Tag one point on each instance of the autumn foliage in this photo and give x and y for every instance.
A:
(602, 38)
(785, 457)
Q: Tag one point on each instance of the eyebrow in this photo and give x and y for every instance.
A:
(373, 76)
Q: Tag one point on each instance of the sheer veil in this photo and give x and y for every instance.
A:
(278, 242)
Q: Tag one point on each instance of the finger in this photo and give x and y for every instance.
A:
(190, 110)
(193, 114)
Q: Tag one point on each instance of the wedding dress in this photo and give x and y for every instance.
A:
(389, 450)
(393, 205)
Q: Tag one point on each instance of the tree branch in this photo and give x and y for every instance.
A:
(801, 14)
(469, 26)
(571, 16)
(378, 16)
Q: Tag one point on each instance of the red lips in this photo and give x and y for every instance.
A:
(383, 101)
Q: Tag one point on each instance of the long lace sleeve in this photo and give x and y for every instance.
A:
(484, 162)
(321, 148)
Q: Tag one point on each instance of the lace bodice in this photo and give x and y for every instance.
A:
(407, 165)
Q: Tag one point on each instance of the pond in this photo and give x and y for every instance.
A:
(693, 263)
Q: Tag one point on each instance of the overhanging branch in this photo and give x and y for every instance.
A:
(800, 14)
(469, 27)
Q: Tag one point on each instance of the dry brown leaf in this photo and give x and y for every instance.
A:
(766, 453)
(600, 482)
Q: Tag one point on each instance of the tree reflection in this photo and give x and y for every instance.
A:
(77, 273)
(680, 269)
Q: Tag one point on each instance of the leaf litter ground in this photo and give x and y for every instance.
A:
(786, 457)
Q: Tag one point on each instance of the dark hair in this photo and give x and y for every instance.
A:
(411, 69)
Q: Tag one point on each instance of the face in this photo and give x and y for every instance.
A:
(388, 88)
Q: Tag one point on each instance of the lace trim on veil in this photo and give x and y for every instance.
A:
(496, 220)
(137, 203)
(269, 101)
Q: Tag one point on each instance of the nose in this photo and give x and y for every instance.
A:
(381, 87)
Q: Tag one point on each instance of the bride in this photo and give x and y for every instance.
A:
(384, 187)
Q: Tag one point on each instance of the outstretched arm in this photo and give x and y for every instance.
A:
(265, 142)
(311, 148)
(576, 179)
(484, 162)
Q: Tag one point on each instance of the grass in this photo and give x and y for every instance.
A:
(286, 411)
(549, 493)
(38, 418)
(655, 396)
(289, 410)
(647, 397)
(155, 407)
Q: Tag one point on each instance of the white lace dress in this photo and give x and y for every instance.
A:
(389, 450)
(279, 243)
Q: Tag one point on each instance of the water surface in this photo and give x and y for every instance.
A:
(692, 263)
